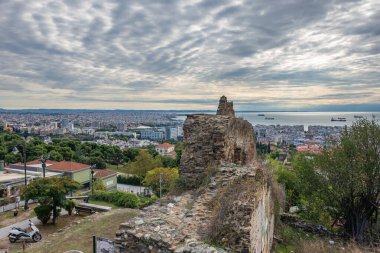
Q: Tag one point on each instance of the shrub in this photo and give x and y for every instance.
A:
(99, 186)
(169, 177)
(43, 213)
(118, 198)
(69, 206)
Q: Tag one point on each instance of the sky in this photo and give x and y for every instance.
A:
(170, 54)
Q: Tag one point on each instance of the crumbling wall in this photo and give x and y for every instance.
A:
(225, 108)
(262, 222)
(212, 139)
(234, 207)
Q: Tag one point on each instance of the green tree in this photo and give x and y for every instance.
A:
(144, 162)
(13, 158)
(131, 154)
(169, 177)
(351, 174)
(55, 156)
(66, 153)
(98, 162)
(51, 192)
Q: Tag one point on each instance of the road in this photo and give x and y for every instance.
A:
(22, 224)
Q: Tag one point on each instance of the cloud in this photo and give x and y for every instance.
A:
(159, 54)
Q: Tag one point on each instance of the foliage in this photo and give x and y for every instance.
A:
(43, 213)
(99, 186)
(144, 162)
(130, 154)
(169, 162)
(178, 149)
(340, 186)
(131, 180)
(51, 192)
(262, 149)
(69, 205)
(302, 185)
(168, 175)
(55, 156)
(97, 161)
(350, 177)
(118, 198)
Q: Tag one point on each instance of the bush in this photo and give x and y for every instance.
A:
(43, 213)
(118, 198)
(69, 206)
(132, 180)
(168, 175)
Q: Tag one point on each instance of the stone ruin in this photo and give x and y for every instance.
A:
(234, 201)
(225, 107)
(212, 139)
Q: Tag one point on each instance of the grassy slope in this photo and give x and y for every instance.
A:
(79, 236)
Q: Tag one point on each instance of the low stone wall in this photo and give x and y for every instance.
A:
(182, 223)
(262, 223)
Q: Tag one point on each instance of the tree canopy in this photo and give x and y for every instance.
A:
(51, 192)
(350, 175)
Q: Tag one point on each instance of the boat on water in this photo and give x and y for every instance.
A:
(338, 119)
(269, 118)
(358, 116)
(260, 114)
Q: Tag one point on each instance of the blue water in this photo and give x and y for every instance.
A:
(302, 118)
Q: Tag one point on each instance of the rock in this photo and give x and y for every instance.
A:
(170, 205)
(139, 222)
(192, 244)
(294, 209)
(177, 198)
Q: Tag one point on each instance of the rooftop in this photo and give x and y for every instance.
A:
(104, 173)
(68, 166)
(165, 145)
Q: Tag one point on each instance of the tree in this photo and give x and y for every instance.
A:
(169, 177)
(131, 154)
(98, 161)
(351, 174)
(55, 156)
(66, 152)
(144, 162)
(51, 192)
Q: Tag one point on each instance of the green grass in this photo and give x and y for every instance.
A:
(291, 237)
(121, 169)
(79, 236)
(102, 203)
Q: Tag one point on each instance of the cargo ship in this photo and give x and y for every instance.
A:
(260, 114)
(269, 118)
(338, 119)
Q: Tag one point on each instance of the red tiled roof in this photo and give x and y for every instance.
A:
(104, 173)
(34, 162)
(67, 166)
(165, 145)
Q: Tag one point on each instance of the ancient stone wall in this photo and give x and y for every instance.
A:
(262, 222)
(225, 108)
(234, 208)
(211, 139)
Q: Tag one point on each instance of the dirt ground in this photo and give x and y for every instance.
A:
(7, 218)
(63, 221)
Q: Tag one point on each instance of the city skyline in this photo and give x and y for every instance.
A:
(264, 55)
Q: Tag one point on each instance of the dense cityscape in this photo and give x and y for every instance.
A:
(127, 129)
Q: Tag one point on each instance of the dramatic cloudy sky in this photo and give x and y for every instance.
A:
(171, 54)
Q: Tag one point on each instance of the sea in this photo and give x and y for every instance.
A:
(298, 118)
